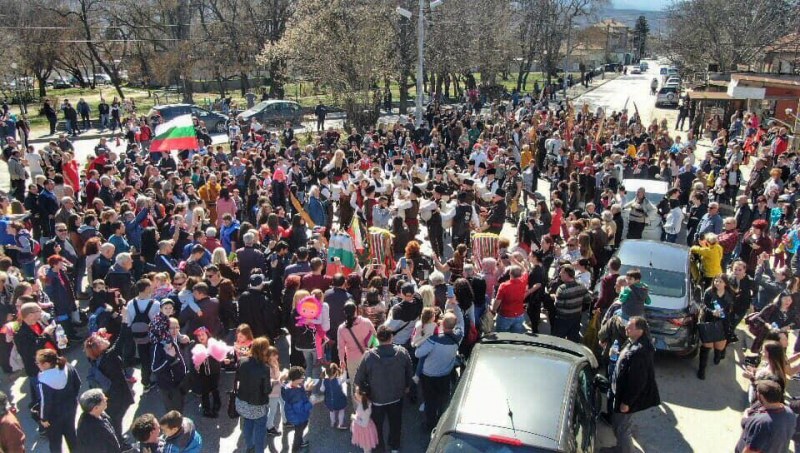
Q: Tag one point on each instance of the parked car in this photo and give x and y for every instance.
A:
(636, 70)
(654, 191)
(102, 79)
(60, 83)
(272, 113)
(671, 72)
(215, 122)
(557, 414)
(643, 66)
(674, 292)
(668, 96)
(673, 81)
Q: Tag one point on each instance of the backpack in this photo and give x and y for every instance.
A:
(140, 325)
(98, 380)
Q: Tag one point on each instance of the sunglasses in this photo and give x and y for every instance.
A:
(61, 231)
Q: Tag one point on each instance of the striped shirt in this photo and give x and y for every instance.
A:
(570, 298)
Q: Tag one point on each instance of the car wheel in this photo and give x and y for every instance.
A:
(221, 127)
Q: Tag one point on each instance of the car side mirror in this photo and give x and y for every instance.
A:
(601, 383)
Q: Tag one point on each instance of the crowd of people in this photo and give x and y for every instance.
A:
(248, 258)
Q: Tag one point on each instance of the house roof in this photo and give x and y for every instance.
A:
(610, 23)
(786, 43)
(775, 80)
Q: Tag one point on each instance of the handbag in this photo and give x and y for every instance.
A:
(232, 412)
(711, 332)
(487, 322)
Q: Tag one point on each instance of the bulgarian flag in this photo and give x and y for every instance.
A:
(177, 133)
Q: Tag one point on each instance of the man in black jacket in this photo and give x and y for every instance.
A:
(633, 381)
(95, 432)
(386, 371)
(262, 314)
(249, 258)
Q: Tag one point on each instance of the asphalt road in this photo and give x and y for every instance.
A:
(695, 415)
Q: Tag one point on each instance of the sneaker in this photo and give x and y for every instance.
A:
(415, 378)
(342, 428)
(273, 432)
(288, 425)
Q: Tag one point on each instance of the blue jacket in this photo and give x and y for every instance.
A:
(226, 233)
(62, 296)
(335, 399)
(296, 405)
(187, 440)
(134, 229)
(316, 211)
(48, 204)
(120, 244)
(440, 353)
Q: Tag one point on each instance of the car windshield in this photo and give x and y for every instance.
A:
(256, 108)
(461, 443)
(661, 282)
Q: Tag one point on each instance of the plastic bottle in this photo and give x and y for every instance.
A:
(613, 353)
(61, 337)
(718, 309)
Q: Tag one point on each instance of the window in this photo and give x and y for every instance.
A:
(582, 414)
(661, 282)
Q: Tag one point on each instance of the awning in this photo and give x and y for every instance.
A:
(709, 96)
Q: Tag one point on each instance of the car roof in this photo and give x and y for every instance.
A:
(650, 185)
(653, 254)
(539, 412)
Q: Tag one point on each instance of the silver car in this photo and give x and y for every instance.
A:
(674, 292)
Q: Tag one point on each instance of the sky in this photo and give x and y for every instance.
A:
(649, 5)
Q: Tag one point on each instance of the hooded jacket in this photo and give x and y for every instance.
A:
(634, 298)
(296, 405)
(187, 440)
(58, 393)
(402, 317)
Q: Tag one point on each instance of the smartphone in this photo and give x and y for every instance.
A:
(403, 263)
(450, 291)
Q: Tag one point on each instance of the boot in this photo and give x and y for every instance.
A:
(717, 356)
(701, 370)
(722, 354)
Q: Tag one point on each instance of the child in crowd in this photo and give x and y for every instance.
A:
(241, 347)
(296, 405)
(333, 386)
(187, 298)
(208, 377)
(365, 435)
(159, 325)
(276, 377)
(180, 435)
(161, 285)
(425, 328)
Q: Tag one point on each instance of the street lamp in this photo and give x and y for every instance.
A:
(420, 51)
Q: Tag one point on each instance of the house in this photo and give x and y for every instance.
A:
(607, 41)
(782, 56)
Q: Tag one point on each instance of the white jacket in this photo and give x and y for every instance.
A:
(674, 221)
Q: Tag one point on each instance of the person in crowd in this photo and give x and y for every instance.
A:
(296, 405)
(58, 387)
(108, 362)
(253, 385)
(12, 437)
(180, 434)
(718, 300)
(387, 372)
(95, 431)
(509, 304)
(147, 433)
(353, 337)
(440, 353)
(633, 382)
(170, 369)
(570, 298)
(770, 426)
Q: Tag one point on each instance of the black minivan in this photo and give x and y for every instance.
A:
(523, 393)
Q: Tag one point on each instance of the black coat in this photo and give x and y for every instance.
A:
(263, 316)
(112, 368)
(254, 382)
(96, 435)
(249, 258)
(636, 377)
(28, 343)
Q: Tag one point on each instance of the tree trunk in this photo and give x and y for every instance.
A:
(42, 85)
(439, 83)
(245, 82)
(221, 84)
(447, 85)
(404, 77)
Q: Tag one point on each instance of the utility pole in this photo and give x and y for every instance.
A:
(566, 57)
